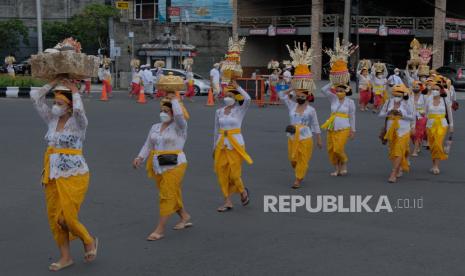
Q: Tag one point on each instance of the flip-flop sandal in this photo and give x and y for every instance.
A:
(155, 237)
(92, 253)
(334, 174)
(343, 173)
(295, 187)
(392, 180)
(58, 266)
(224, 209)
(183, 225)
(245, 200)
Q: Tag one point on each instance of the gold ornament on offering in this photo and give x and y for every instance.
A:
(64, 60)
(187, 63)
(171, 83)
(159, 63)
(231, 66)
(379, 67)
(273, 64)
(9, 60)
(339, 73)
(364, 64)
(135, 63)
(302, 58)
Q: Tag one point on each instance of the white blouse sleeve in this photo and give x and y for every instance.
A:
(285, 98)
(352, 115)
(216, 129)
(326, 90)
(314, 125)
(38, 98)
(449, 113)
(245, 105)
(78, 111)
(178, 115)
(148, 146)
(410, 112)
(384, 110)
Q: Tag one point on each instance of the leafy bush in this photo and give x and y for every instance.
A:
(20, 81)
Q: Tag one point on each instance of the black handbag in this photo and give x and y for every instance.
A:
(291, 129)
(167, 159)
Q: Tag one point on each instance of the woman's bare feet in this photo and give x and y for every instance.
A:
(91, 251)
(155, 236)
(61, 264)
(393, 177)
(184, 223)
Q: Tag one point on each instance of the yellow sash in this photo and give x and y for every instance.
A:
(296, 139)
(329, 124)
(378, 89)
(437, 129)
(229, 133)
(149, 165)
(391, 133)
(52, 150)
(186, 114)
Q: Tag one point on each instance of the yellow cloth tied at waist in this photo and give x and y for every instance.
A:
(153, 153)
(295, 141)
(229, 133)
(437, 129)
(53, 150)
(391, 133)
(329, 124)
(378, 89)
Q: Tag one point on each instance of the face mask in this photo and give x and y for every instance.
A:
(422, 79)
(228, 101)
(340, 96)
(435, 93)
(301, 100)
(397, 73)
(397, 99)
(165, 117)
(58, 110)
(378, 76)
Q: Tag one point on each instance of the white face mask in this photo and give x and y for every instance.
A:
(397, 99)
(397, 73)
(165, 117)
(379, 76)
(422, 79)
(228, 101)
(435, 93)
(58, 110)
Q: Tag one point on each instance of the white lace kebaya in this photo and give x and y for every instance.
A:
(71, 137)
(171, 138)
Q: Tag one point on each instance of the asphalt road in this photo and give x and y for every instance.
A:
(121, 205)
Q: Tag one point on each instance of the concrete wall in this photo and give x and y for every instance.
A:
(211, 41)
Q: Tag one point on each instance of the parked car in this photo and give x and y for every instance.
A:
(21, 68)
(201, 84)
(455, 72)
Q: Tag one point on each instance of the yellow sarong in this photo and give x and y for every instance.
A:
(436, 135)
(169, 184)
(185, 113)
(329, 124)
(52, 150)
(299, 153)
(64, 196)
(335, 143)
(398, 146)
(149, 164)
(228, 163)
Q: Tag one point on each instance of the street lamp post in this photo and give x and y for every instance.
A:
(40, 46)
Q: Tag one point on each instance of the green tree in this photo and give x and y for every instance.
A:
(12, 33)
(90, 27)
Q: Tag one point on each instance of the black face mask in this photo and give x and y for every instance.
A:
(301, 101)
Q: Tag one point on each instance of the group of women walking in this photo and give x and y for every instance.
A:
(66, 174)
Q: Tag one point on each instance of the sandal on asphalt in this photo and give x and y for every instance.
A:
(155, 237)
(392, 179)
(334, 174)
(343, 173)
(223, 209)
(183, 225)
(246, 199)
(91, 255)
(58, 266)
(295, 186)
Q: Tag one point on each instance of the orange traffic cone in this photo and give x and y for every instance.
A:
(141, 98)
(104, 96)
(210, 101)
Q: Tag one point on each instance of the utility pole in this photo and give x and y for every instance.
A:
(234, 18)
(346, 34)
(40, 46)
(317, 17)
(439, 30)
